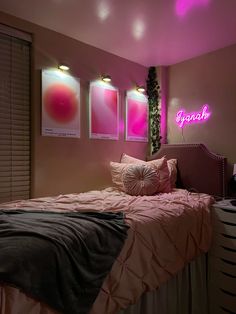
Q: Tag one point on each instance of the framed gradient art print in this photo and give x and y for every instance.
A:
(136, 117)
(103, 111)
(60, 104)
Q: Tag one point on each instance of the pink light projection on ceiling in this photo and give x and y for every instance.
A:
(182, 7)
(150, 33)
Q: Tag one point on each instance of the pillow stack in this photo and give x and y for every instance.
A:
(138, 177)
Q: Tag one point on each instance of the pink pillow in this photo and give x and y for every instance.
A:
(160, 166)
(140, 180)
(117, 171)
(171, 164)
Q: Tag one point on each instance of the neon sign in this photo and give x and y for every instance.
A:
(182, 118)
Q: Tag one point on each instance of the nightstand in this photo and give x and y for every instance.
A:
(222, 259)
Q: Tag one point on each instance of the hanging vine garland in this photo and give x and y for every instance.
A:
(154, 111)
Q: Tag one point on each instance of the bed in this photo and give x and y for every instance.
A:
(161, 267)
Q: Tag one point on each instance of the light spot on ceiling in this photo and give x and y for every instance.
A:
(138, 29)
(103, 11)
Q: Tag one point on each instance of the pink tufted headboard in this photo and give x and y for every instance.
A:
(198, 169)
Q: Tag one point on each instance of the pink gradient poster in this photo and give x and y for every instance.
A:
(103, 111)
(136, 117)
(60, 104)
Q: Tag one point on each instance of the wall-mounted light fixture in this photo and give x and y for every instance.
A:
(140, 89)
(106, 78)
(63, 67)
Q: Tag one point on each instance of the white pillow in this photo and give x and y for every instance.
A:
(171, 164)
(140, 180)
(130, 177)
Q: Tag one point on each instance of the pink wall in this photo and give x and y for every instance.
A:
(209, 79)
(66, 165)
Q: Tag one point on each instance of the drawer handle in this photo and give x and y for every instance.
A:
(228, 249)
(226, 274)
(228, 236)
(226, 310)
(229, 210)
(228, 223)
(228, 262)
(228, 292)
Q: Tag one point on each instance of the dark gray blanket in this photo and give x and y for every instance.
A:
(61, 259)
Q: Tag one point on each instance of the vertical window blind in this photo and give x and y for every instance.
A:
(14, 118)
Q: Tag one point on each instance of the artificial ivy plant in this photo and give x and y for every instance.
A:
(154, 110)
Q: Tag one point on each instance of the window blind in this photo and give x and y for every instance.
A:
(14, 118)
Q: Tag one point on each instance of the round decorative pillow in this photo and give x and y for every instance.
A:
(140, 179)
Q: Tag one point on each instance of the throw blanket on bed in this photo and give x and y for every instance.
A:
(61, 259)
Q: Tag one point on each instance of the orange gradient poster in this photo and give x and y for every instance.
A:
(60, 104)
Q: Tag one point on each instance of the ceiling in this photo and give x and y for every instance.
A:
(149, 32)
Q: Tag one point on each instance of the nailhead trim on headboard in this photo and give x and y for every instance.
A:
(199, 169)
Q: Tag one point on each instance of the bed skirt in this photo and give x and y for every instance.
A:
(186, 293)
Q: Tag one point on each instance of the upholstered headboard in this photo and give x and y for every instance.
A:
(198, 168)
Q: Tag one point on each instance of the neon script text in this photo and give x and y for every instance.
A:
(182, 118)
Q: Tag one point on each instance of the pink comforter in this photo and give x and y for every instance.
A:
(166, 232)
